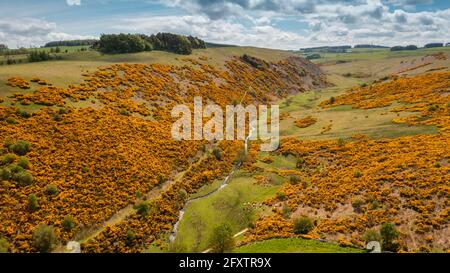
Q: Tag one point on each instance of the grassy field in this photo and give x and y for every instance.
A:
(371, 64)
(375, 54)
(344, 120)
(228, 205)
(294, 245)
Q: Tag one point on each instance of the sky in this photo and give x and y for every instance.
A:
(282, 24)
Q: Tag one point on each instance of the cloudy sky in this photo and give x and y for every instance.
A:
(285, 24)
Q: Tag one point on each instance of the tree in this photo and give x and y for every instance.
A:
(303, 225)
(51, 189)
(3, 47)
(44, 238)
(39, 56)
(84, 42)
(21, 147)
(4, 245)
(432, 45)
(389, 234)
(33, 202)
(217, 153)
(23, 178)
(127, 43)
(222, 239)
(68, 223)
(372, 235)
(143, 208)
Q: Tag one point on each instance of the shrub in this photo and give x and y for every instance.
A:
(57, 117)
(14, 168)
(21, 147)
(62, 111)
(433, 108)
(39, 56)
(51, 189)
(44, 238)
(23, 178)
(217, 153)
(32, 202)
(68, 223)
(241, 156)
(142, 208)
(281, 196)
(183, 194)
(286, 211)
(24, 163)
(372, 235)
(131, 235)
(124, 112)
(300, 162)
(332, 100)
(341, 142)
(11, 120)
(294, 179)
(8, 159)
(357, 174)
(222, 239)
(5, 174)
(389, 234)
(23, 113)
(4, 245)
(357, 205)
(303, 225)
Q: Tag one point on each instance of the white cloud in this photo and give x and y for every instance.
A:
(219, 31)
(25, 32)
(285, 24)
(73, 2)
(387, 22)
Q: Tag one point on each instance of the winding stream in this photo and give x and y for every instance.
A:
(224, 183)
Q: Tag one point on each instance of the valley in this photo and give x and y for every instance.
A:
(364, 139)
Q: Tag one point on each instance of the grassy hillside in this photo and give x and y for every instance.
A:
(294, 245)
(73, 65)
(64, 108)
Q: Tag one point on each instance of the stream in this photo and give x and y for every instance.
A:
(224, 183)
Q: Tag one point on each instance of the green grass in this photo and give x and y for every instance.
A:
(376, 54)
(345, 120)
(224, 206)
(294, 245)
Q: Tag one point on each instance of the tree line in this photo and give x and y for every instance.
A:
(85, 42)
(131, 43)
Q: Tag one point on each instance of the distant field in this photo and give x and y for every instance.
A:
(294, 245)
(367, 65)
(375, 54)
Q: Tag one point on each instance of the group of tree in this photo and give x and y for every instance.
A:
(370, 46)
(3, 47)
(328, 49)
(401, 48)
(85, 42)
(432, 45)
(131, 43)
(39, 56)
